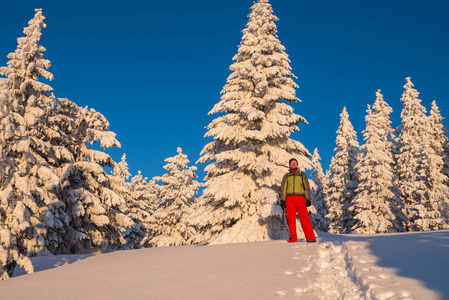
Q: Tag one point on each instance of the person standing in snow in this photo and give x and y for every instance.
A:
(295, 197)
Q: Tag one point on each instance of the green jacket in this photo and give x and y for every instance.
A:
(295, 184)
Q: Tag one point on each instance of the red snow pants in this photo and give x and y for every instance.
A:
(298, 204)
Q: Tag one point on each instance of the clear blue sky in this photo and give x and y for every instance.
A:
(156, 68)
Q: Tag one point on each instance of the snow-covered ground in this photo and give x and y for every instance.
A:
(389, 266)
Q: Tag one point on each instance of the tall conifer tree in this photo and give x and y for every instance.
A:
(440, 138)
(53, 184)
(11, 252)
(319, 195)
(251, 138)
(30, 208)
(413, 133)
(430, 211)
(342, 176)
(376, 208)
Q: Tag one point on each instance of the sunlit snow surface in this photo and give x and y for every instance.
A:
(390, 266)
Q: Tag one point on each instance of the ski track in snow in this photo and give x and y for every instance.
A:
(333, 272)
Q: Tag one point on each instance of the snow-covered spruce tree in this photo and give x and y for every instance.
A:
(139, 195)
(177, 194)
(318, 209)
(414, 136)
(440, 138)
(342, 176)
(96, 209)
(121, 170)
(54, 133)
(118, 182)
(31, 205)
(251, 143)
(119, 177)
(377, 208)
(431, 210)
(143, 204)
(11, 252)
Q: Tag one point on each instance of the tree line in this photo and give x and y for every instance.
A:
(396, 181)
(56, 197)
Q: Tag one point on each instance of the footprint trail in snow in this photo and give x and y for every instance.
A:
(334, 270)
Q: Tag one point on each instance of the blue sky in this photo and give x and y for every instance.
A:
(156, 68)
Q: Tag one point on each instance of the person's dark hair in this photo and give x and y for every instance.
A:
(290, 161)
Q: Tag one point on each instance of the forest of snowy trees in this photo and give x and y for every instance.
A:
(57, 196)
(397, 180)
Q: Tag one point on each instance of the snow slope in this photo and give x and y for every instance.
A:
(389, 266)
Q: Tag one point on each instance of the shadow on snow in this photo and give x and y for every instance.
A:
(423, 256)
(43, 263)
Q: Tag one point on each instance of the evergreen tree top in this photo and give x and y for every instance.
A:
(346, 135)
(413, 113)
(410, 98)
(121, 169)
(435, 112)
(380, 104)
(316, 156)
(27, 63)
(178, 162)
